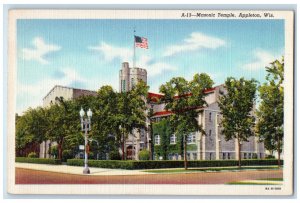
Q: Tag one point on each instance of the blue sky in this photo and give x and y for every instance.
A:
(88, 53)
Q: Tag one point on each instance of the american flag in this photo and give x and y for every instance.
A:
(141, 42)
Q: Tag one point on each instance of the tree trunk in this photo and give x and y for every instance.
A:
(184, 151)
(59, 148)
(278, 151)
(150, 143)
(123, 143)
(239, 153)
(45, 149)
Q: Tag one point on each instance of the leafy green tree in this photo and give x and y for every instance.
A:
(270, 113)
(31, 129)
(63, 122)
(131, 113)
(237, 108)
(185, 100)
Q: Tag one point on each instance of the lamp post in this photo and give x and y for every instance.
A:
(86, 126)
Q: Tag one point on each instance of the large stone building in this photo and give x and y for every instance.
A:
(211, 145)
(66, 93)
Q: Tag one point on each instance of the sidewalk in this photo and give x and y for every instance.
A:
(78, 169)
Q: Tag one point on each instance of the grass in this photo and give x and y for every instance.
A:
(250, 183)
(272, 179)
(216, 169)
(262, 181)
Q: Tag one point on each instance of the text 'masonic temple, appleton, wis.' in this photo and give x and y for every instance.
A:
(211, 146)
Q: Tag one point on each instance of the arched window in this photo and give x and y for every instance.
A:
(157, 140)
(173, 139)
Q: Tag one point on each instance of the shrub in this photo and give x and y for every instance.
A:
(144, 155)
(254, 156)
(114, 155)
(102, 163)
(53, 151)
(270, 156)
(170, 164)
(37, 160)
(67, 154)
(32, 155)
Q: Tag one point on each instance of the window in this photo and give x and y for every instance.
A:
(210, 116)
(142, 132)
(245, 155)
(195, 156)
(191, 138)
(132, 83)
(210, 156)
(209, 132)
(141, 146)
(228, 155)
(224, 155)
(123, 86)
(173, 139)
(157, 140)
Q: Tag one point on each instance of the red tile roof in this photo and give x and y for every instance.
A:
(155, 96)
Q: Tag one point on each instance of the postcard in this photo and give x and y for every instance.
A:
(150, 102)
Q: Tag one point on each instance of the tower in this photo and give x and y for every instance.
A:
(129, 77)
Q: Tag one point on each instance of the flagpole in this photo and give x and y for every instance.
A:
(133, 61)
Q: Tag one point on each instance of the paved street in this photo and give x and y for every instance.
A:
(29, 176)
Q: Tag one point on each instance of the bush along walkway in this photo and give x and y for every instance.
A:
(169, 164)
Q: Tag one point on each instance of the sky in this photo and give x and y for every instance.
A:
(88, 54)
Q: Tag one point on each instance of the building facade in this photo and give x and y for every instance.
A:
(66, 93)
(211, 145)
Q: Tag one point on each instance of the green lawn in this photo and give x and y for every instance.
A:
(215, 169)
(249, 183)
(263, 181)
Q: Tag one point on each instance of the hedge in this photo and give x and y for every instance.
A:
(169, 164)
(38, 160)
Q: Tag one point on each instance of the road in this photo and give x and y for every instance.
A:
(28, 176)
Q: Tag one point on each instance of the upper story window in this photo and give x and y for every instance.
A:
(209, 132)
(157, 140)
(173, 139)
(210, 116)
(142, 133)
(191, 138)
(123, 85)
(132, 83)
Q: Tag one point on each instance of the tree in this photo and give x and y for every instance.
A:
(63, 123)
(185, 100)
(31, 130)
(131, 113)
(237, 113)
(270, 113)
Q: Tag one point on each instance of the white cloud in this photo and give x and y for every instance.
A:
(39, 51)
(32, 94)
(195, 42)
(156, 68)
(262, 58)
(111, 52)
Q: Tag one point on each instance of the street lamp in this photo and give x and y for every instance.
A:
(86, 126)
